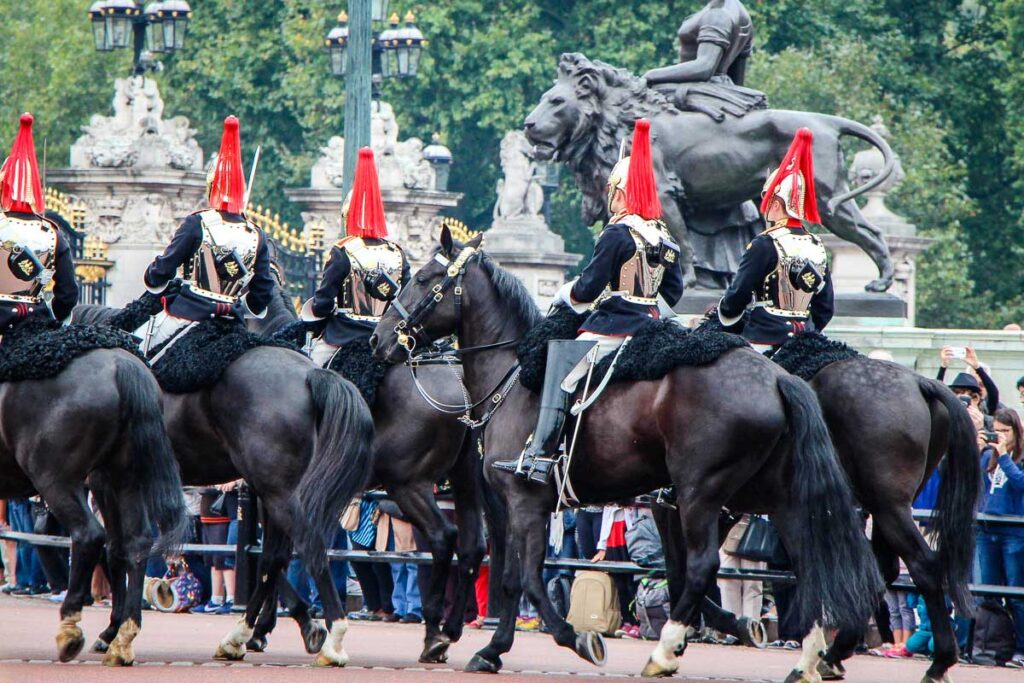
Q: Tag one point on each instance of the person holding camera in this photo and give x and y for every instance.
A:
(218, 514)
(984, 395)
(1001, 547)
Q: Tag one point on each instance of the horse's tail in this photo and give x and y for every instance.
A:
(839, 584)
(859, 130)
(342, 461)
(153, 467)
(953, 523)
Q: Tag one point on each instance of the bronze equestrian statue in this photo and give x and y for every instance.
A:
(705, 169)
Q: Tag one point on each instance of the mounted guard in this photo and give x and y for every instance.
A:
(634, 267)
(33, 252)
(223, 257)
(364, 272)
(785, 268)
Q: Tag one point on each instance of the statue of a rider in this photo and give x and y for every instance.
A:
(33, 252)
(223, 257)
(634, 271)
(365, 270)
(785, 268)
(714, 45)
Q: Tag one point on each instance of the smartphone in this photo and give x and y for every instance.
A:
(959, 352)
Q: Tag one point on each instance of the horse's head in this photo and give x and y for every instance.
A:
(568, 110)
(426, 309)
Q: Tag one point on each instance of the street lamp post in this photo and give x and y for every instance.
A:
(365, 59)
(160, 27)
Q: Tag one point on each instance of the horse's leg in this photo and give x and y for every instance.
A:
(420, 507)
(700, 532)
(276, 549)
(313, 632)
(136, 540)
(814, 645)
(531, 525)
(333, 651)
(850, 224)
(466, 481)
(506, 603)
(117, 573)
(899, 529)
(71, 509)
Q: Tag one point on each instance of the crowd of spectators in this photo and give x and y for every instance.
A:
(391, 592)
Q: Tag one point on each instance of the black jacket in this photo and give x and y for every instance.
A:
(192, 306)
(331, 294)
(65, 285)
(759, 261)
(616, 316)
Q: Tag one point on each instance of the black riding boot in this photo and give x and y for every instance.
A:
(546, 443)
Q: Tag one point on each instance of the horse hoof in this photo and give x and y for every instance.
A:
(336, 661)
(436, 650)
(751, 633)
(112, 659)
(258, 644)
(69, 644)
(482, 665)
(801, 677)
(313, 637)
(931, 679)
(831, 672)
(230, 653)
(101, 646)
(654, 670)
(590, 646)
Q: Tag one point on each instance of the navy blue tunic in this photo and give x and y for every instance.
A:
(65, 284)
(758, 263)
(615, 316)
(191, 306)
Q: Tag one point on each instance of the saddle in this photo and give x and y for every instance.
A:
(807, 354)
(657, 349)
(41, 349)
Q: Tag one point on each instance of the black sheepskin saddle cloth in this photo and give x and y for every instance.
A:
(354, 362)
(653, 352)
(197, 359)
(807, 354)
(42, 349)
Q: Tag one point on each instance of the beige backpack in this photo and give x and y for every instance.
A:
(594, 603)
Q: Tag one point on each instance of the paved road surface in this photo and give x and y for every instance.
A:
(176, 648)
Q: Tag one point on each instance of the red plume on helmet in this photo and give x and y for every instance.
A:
(227, 187)
(366, 207)
(798, 162)
(21, 187)
(641, 189)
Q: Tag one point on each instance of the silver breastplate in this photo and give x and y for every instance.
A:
(223, 265)
(364, 258)
(28, 252)
(799, 275)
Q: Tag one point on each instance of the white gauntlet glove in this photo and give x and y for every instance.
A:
(564, 297)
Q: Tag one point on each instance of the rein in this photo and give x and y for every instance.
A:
(411, 334)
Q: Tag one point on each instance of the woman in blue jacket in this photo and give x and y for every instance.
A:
(1001, 547)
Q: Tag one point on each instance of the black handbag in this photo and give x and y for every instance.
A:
(760, 541)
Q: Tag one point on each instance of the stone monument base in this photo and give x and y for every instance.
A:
(853, 305)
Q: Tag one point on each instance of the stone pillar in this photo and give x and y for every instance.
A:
(407, 180)
(137, 176)
(852, 268)
(519, 238)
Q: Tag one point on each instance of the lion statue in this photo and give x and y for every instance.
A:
(708, 172)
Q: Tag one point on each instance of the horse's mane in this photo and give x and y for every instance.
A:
(611, 99)
(512, 291)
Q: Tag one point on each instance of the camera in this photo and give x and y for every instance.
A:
(990, 436)
(966, 400)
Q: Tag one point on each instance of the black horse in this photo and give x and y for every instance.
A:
(277, 421)
(98, 420)
(739, 432)
(417, 446)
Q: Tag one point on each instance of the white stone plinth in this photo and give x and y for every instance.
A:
(526, 247)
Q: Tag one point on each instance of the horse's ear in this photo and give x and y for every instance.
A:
(446, 241)
(476, 241)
